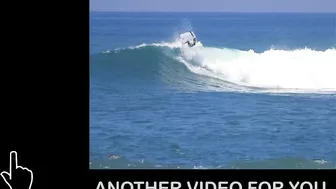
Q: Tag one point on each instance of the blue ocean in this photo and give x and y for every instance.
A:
(258, 90)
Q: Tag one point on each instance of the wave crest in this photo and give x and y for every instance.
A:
(299, 69)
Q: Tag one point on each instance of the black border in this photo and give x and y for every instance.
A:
(45, 91)
(242, 176)
(46, 111)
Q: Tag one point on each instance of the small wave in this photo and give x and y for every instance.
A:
(279, 163)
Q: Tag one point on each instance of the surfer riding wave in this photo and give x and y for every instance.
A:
(188, 38)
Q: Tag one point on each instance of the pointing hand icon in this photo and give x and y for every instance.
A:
(18, 177)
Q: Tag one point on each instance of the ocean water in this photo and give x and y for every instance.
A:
(257, 91)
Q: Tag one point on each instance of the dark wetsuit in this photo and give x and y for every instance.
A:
(192, 44)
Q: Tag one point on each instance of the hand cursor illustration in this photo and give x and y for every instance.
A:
(18, 177)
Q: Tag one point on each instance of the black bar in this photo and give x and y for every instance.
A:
(272, 177)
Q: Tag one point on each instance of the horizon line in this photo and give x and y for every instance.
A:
(158, 11)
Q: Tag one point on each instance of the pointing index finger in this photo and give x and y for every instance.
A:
(12, 163)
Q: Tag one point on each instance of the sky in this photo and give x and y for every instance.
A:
(215, 5)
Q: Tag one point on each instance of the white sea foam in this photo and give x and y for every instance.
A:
(296, 69)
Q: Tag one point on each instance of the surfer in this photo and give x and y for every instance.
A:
(189, 38)
(191, 44)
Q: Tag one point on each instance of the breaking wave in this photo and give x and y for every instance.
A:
(210, 68)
